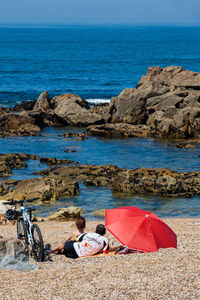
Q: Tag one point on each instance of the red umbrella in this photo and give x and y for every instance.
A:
(139, 229)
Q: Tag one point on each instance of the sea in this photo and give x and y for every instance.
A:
(96, 63)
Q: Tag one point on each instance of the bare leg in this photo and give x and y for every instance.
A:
(59, 249)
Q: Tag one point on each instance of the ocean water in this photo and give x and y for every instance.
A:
(96, 63)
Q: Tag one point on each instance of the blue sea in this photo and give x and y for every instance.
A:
(97, 63)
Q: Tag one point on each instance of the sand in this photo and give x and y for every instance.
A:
(166, 274)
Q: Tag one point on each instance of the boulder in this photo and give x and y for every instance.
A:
(66, 213)
(14, 255)
(72, 110)
(12, 247)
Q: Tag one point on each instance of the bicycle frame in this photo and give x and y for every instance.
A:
(28, 223)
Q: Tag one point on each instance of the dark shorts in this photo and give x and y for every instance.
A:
(69, 250)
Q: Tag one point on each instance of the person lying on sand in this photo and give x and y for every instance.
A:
(74, 236)
(88, 244)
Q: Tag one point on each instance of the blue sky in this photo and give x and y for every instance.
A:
(100, 11)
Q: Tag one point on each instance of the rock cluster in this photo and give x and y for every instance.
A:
(14, 160)
(165, 103)
(60, 181)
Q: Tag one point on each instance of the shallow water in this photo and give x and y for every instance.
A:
(127, 153)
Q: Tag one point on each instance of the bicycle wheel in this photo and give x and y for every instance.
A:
(38, 245)
(22, 230)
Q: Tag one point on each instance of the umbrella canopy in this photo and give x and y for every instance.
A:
(139, 229)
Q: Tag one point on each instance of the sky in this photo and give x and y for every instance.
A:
(100, 12)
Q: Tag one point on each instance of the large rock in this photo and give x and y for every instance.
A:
(167, 100)
(14, 255)
(48, 188)
(12, 247)
(69, 213)
(72, 110)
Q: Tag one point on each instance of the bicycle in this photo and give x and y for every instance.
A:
(25, 229)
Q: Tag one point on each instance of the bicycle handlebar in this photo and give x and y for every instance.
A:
(8, 203)
(20, 201)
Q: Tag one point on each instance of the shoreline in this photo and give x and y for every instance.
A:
(166, 274)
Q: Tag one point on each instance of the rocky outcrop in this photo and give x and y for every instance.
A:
(162, 182)
(119, 130)
(66, 213)
(167, 100)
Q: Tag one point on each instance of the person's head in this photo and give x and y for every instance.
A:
(100, 229)
(80, 223)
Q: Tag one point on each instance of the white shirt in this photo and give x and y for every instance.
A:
(91, 244)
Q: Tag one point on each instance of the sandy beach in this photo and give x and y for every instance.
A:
(167, 274)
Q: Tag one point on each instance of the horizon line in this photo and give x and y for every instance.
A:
(99, 24)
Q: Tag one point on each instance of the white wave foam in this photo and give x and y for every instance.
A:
(98, 101)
